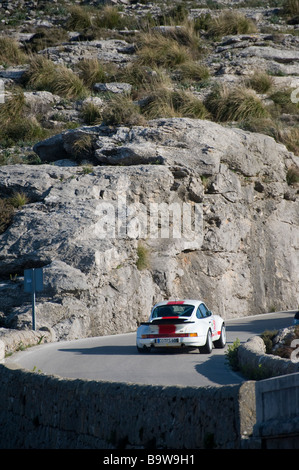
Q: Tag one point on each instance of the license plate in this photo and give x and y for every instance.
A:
(167, 340)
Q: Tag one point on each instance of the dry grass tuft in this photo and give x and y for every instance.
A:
(121, 110)
(229, 23)
(10, 52)
(43, 74)
(168, 103)
(235, 104)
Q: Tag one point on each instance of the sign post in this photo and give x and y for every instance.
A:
(33, 282)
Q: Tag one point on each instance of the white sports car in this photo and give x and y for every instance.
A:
(181, 323)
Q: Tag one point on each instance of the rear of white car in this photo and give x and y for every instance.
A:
(183, 323)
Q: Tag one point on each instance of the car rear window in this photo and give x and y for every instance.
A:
(174, 310)
(297, 316)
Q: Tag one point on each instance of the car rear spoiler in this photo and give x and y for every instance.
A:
(166, 321)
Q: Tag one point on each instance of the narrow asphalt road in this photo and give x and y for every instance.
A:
(115, 358)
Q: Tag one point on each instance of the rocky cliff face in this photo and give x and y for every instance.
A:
(149, 184)
(90, 227)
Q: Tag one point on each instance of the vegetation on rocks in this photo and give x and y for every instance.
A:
(170, 49)
(162, 101)
(237, 104)
(276, 342)
(230, 22)
(8, 206)
(279, 342)
(204, 60)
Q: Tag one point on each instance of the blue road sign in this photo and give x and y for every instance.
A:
(33, 280)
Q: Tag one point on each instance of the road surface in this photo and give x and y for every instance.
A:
(115, 358)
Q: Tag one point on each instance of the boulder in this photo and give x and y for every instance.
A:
(51, 149)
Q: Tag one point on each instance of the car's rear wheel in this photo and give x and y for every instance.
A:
(221, 342)
(143, 350)
(207, 348)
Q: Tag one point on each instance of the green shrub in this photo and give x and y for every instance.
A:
(203, 22)
(6, 214)
(267, 336)
(190, 106)
(143, 257)
(160, 104)
(18, 200)
(232, 355)
(293, 175)
(21, 130)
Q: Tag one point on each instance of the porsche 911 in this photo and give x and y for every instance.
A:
(181, 323)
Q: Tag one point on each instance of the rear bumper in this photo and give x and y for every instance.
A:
(173, 342)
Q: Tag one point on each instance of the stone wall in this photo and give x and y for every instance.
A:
(253, 358)
(15, 340)
(277, 412)
(39, 411)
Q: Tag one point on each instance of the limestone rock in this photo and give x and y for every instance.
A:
(111, 50)
(238, 249)
(113, 87)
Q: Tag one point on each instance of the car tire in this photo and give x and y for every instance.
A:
(143, 350)
(207, 348)
(221, 342)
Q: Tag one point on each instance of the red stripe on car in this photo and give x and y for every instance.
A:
(167, 329)
(175, 302)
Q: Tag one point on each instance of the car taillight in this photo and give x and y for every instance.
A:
(169, 335)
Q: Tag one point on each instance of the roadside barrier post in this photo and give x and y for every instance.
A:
(33, 282)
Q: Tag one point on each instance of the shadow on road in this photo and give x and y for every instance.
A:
(216, 370)
(103, 350)
(126, 350)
